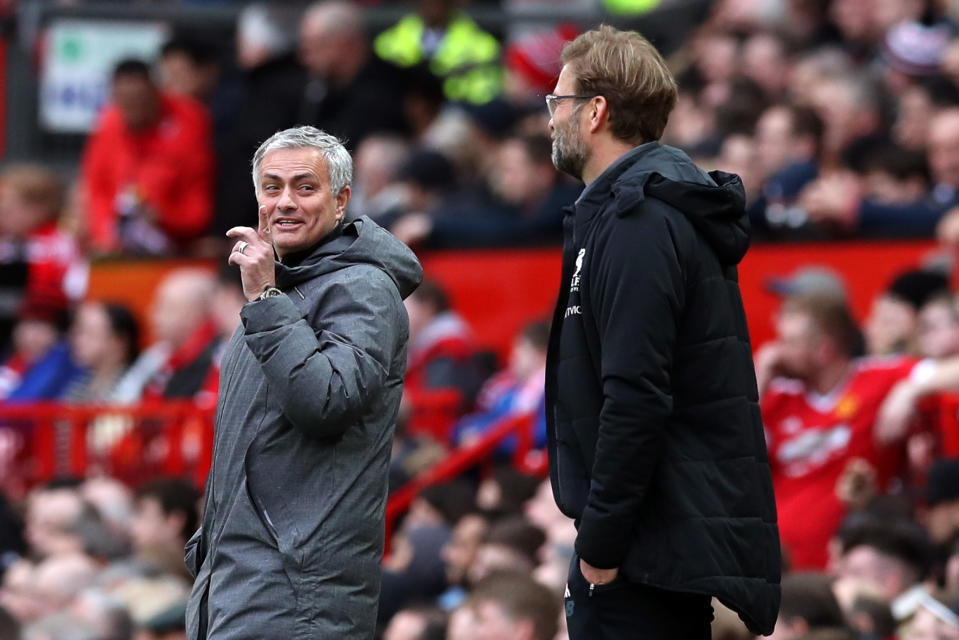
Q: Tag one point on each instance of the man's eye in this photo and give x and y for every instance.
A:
(271, 187)
(306, 187)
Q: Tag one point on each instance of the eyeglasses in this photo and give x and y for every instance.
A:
(552, 99)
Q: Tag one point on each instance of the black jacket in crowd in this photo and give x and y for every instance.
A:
(655, 435)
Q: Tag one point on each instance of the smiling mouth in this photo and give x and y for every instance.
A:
(286, 223)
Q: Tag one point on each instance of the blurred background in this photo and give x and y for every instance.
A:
(126, 132)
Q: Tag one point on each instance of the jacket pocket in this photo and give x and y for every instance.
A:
(272, 533)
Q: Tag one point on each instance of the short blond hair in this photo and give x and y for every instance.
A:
(627, 70)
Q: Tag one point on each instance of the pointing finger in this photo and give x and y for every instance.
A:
(244, 233)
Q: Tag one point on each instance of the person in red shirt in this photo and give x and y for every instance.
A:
(148, 168)
(38, 260)
(442, 346)
(819, 407)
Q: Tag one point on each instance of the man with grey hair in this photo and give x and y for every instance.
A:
(268, 91)
(349, 92)
(292, 535)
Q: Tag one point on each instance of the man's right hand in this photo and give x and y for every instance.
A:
(253, 253)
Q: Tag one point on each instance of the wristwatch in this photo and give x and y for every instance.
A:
(270, 292)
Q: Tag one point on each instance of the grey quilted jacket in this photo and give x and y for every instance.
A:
(292, 533)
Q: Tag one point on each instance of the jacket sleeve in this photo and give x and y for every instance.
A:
(100, 186)
(637, 294)
(327, 374)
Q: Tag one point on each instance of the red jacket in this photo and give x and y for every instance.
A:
(170, 164)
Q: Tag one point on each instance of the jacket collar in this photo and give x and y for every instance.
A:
(601, 190)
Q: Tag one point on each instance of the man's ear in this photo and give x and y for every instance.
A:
(598, 110)
(342, 199)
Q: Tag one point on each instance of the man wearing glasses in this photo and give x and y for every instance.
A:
(656, 440)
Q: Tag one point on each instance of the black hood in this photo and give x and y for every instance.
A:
(361, 241)
(714, 202)
(717, 211)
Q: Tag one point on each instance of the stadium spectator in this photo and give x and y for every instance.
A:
(454, 47)
(182, 358)
(51, 586)
(413, 571)
(417, 623)
(458, 555)
(429, 186)
(937, 327)
(113, 501)
(941, 516)
(916, 105)
(378, 161)
(148, 168)
(60, 522)
(50, 510)
(106, 614)
(39, 366)
(891, 325)
(808, 603)
(819, 405)
(505, 491)
(190, 66)
(766, 62)
(788, 140)
(165, 518)
(836, 199)
(892, 554)
(442, 504)
(871, 617)
(37, 258)
(527, 208)
(541, 510)
(105, 341)
(442, 346)
(516, 391)
(267, 99)
(510, 543)
(894, 176)
(507, 604)
(349, 92)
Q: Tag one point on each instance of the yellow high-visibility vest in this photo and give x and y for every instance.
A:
(630, 7)
(467, 58)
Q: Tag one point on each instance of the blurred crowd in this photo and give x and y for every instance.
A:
(867, 494)
(841, 116)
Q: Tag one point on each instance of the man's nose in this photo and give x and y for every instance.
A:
(286, 201)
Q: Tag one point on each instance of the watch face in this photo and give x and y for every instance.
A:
(272, 292)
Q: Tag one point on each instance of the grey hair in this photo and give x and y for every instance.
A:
(339, 163)
(341, 15)
(269, 27)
